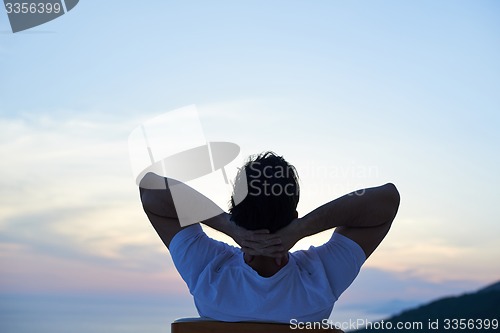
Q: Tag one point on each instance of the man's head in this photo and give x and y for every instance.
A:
(273, 193)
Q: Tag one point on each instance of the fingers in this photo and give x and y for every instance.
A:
(262, 243)
(270, 251)
(260, 237)
(249, 251)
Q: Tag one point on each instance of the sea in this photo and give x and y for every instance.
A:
(113, 313)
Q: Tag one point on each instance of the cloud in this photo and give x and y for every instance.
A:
(26, 271)
(379, 291)
(434, 249)
(69, 200)
(68, 195)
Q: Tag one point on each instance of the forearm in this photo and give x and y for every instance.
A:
(156, 196)
(221, 223)
(361, 209)
(171, 206)
(170, 198)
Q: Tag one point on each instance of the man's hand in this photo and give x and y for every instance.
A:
(256, 242)
(288, 237)
(263, 243)
(252, 243)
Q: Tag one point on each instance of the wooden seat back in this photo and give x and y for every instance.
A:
(208, 326)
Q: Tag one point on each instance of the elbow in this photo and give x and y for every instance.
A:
(155, 195)
(146, 197)
(152, 181)
(393, 199)
(393, 193)
(147, 185)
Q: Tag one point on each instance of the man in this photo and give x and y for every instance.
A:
(262, 281)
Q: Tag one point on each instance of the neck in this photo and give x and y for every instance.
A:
(264, 266)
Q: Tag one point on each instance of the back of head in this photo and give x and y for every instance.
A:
(273, 193)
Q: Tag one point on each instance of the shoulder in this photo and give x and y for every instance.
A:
(341, 247)
(193, 239)
(339, 254)
(194, 254)
(186, 234)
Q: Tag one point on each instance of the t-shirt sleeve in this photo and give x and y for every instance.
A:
(342, 259)
(192, 250)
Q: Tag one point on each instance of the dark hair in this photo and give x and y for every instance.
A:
(273, 193)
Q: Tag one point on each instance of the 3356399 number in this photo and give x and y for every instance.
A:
(470, 324)
(32, 8)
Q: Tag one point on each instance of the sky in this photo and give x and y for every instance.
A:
(354, 94)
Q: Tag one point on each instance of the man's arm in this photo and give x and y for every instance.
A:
(364, 216)
(158, 204)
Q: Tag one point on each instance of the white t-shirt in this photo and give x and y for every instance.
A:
(225, 288)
